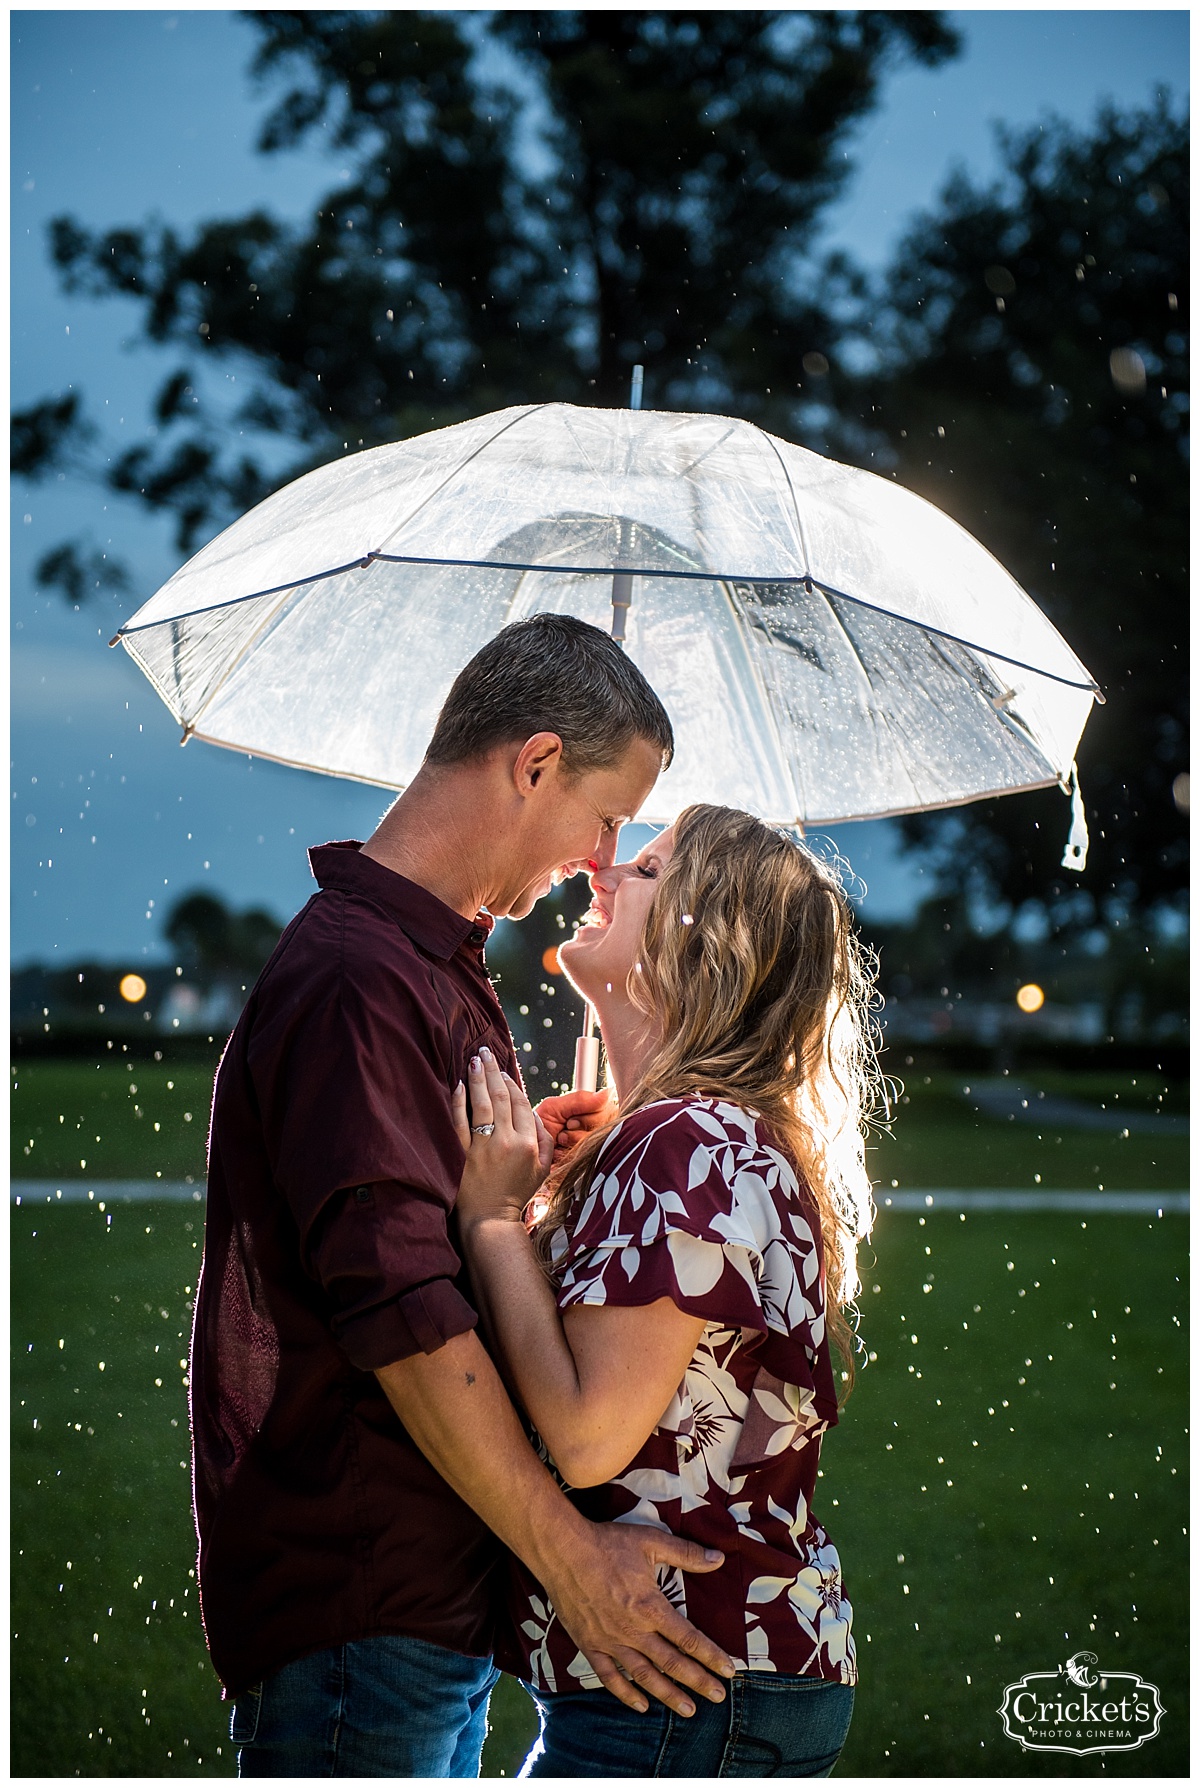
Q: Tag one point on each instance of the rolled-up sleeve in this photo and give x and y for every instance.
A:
(372, 1239)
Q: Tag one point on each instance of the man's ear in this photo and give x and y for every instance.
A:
(538, 756)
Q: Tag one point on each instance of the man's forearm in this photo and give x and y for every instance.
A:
(601, 1579)
(457, 1411)
(520, 1314)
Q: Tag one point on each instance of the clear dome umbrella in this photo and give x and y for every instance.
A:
(829, 646)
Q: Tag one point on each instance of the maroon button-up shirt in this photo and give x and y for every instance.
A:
(329, 1250)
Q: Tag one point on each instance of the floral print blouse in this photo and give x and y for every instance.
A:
(693, 1201)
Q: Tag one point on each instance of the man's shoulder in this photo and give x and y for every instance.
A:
(341, 944)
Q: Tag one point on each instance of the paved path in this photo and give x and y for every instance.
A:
(1001, 1097)
(106, 1191)
(1003, 1199)
(112, 1192)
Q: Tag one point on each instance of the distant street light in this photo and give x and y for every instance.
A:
(1030, 998)
(133, 989)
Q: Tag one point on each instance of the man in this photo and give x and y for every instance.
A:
(356, 1459)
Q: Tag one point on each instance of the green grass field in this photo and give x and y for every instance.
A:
(1006, 1489)
(110, 1120)
(938, 1140)
(130, 1120)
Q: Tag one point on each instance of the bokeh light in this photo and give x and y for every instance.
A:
(133, 989)
(1030, 998)
(550, 960)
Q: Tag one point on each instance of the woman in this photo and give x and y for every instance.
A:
(665, 1324)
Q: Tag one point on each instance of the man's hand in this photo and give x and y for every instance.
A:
(569, 1116)
(600, 1578)
(624, 1625)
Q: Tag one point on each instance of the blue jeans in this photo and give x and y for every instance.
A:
(767, 1725)
(386, 1706)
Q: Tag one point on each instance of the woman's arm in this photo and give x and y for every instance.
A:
(596, 1385)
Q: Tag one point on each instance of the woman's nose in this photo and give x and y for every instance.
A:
(605, 880)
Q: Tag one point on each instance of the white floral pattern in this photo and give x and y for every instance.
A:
(693, 1201)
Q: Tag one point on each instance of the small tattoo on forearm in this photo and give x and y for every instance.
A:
(470, 1378)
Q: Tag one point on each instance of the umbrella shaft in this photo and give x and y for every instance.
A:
(622, 596)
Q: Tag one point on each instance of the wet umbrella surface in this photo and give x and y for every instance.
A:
(828, 645)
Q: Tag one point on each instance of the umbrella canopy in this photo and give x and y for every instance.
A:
(828, 645)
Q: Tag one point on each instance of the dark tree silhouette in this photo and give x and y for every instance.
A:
(1032, 382)
(665, 213)
(215, 943)
(648, 186)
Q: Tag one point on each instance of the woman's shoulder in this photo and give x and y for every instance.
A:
(693, 1195)
(705, 1157)
(671, 1129)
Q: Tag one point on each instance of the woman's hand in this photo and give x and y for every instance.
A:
(570, 1116)
(508, 1149)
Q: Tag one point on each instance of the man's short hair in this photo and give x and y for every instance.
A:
(551, 673)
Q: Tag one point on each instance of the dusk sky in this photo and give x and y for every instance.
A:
(120, 115)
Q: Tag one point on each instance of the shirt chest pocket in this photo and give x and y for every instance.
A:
(500, 1046)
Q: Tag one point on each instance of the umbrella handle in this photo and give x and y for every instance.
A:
(587, 1064)
(587, 1055)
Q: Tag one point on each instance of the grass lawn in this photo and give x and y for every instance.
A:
(110, 1120)
(939, 1140)
(1005, 1490)
(131, 1120)
(1008, 1484)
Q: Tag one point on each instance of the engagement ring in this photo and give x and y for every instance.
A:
(482, 1129)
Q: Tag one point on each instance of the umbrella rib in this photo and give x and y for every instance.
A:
(155, 682)
(461, 467)
(724, 577)
(295, 583)
(880, 714)
(1012, 722)
(858, 657)
(764, 698)
(686, 471)
(708, 577)
(804, 552)
(238, 658)
(588, 456)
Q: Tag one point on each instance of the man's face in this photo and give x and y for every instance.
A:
(572, 822)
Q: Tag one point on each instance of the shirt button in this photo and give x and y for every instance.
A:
(478, 936)
(363, 1194)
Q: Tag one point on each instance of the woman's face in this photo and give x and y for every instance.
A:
(600, 957)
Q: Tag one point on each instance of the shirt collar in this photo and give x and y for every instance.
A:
(435, 927)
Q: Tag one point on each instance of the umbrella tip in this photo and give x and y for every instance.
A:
(115, 640)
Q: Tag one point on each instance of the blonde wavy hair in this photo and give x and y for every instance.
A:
(764, 999)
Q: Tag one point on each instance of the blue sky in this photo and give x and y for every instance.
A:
(119, 115)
